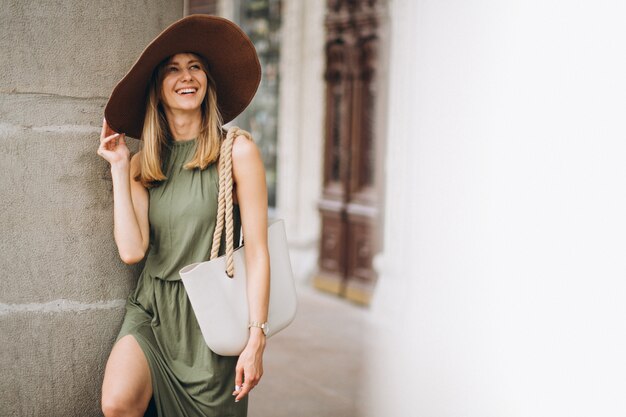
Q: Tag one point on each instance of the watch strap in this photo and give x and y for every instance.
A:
(262, 326)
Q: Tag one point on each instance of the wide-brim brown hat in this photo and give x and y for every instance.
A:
(230, 54)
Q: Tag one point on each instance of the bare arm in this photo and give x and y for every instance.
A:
(130, 198)
(249, 175)
(130, 212)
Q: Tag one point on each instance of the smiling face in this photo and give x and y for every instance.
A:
(184, 83)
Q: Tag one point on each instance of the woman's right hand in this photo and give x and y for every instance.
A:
(113, 146)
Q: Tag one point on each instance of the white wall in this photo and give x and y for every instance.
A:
(504, 274)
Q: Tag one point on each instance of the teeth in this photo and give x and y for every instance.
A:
(186, 90)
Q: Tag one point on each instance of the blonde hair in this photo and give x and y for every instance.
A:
(156, 135)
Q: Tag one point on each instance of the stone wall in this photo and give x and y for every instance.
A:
(63, 284)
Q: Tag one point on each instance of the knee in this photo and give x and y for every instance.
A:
(116, 406)
(112, 407)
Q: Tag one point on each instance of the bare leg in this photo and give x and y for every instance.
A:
(127, 388)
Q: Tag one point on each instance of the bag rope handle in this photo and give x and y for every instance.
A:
(225, 199)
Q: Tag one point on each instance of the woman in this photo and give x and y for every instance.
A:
(165, 200)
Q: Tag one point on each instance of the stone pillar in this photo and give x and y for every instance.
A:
(228, 9)
(63, 283)
(300, 132)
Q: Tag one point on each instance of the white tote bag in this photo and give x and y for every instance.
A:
(220, 302)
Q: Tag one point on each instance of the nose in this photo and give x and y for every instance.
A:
(185, 74)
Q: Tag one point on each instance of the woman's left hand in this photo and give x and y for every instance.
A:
(250, 364)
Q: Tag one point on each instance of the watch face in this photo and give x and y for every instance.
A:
(266, 328)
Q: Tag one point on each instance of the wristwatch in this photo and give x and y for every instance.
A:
(263, 326)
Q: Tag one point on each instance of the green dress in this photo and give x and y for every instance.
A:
(188, 379)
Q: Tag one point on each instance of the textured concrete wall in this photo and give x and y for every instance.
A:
(62, 283)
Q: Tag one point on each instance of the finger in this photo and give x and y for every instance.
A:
(105, 153)
(238, 380)
(104, 127)
(244, 391)
(247, 386)
(109, 138)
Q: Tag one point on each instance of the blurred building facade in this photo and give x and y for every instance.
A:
(323, 130)
(286, 116)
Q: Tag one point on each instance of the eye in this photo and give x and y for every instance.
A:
(171, 69)
(196, 66)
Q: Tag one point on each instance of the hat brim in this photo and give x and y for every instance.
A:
(230, 54)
